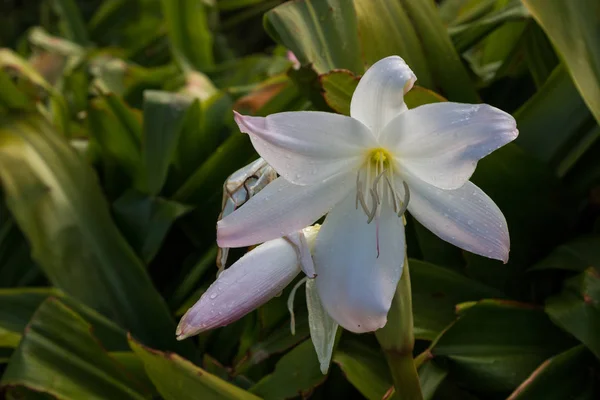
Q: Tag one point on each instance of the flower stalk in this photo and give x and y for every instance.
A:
(397, 341)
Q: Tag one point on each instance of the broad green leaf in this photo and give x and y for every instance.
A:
(10, 95)
(190, 37)
(178, 379)
(573, 28)
(203, 130)
(23, 302)
(72, 23)
(431, 377)
(553, 119)
(209, 177)
(577, 308)
(564, 376)
(16, 266)
(58, 339)
(384, 29)
(436, 291)
(146, 220)
(117, 137)
(466, 35)
(321, 32)
(525, 190)
(365, 368)
(338, 87)
(188, 280)
(445, 65)
(296, 373)
(496, 344)
(164, 115)
(278, 341)
(539, 54)
(57, 202)
(576, 255)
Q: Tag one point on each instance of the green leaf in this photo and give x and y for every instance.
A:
(57, 202)
(495, 344)
(296, 373)
(338, 87)
(10, 95)
(190, 37)
(385, 29)
(431, 377)
(179, 379)
(436, 291)
(22, 304)
(552, 120)
(164, 115)
(577, 308)
(501, 175)
(16, 266)
(207, 180)
(573, 28)
(118, 138)
(72, 23)
(146, 220)
(466, 35)
(446, 67)
(365, 368)
(576, 255)
(321, 32)
(58, 339)
(564, 376)
(278, 341)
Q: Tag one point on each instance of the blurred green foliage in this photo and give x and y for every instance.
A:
(116, 134)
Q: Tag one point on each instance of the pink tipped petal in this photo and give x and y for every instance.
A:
(307, 147)
(249, 283)
(465, 217)
(441, 143)
(280, 209)
(379, 96)
(355, 285)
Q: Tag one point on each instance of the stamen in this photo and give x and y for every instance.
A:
(290, 304)
(406, 199)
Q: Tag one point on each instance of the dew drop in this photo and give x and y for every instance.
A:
(213, 296)
(470, 222)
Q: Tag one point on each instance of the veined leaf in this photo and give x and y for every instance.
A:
(321, 32)
(58, 339)
(446, 67)
(191, 40)
(385, 29)
(496, 344)
(55, 198)
(560, 377)
(577, 308)
(573, 28)
(179, 379)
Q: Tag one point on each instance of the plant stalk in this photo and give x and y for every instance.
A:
(397, 341)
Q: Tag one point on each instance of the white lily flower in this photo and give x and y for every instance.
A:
(250, 282)
(366, 170)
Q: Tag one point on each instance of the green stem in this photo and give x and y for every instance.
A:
(397, 341)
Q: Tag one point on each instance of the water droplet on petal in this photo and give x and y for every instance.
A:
(213, 296)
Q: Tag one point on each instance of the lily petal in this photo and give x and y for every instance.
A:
(307, 147)
(355, 283)
(379, 96)
(323, 328)
(280, 209)
(441, 143)
(465, 217)
(249, 283)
